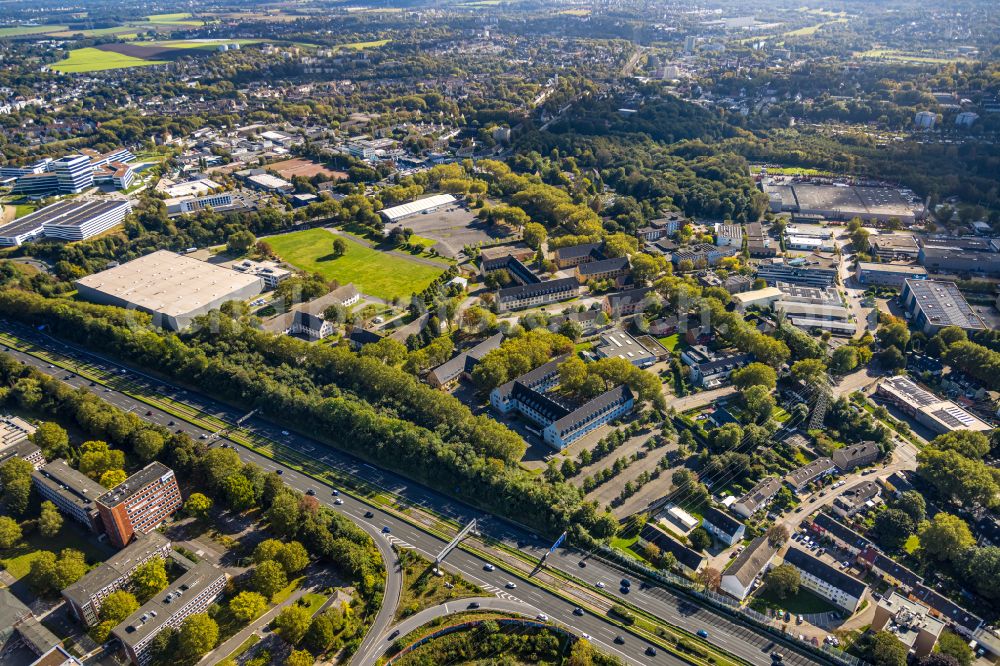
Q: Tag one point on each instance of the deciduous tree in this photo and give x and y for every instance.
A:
(10, 532)
(15, 479)
(113, 478)
(117, 606)
(268, 577)
(49, 520)
(293, 623)
(198, 506)
(197, 635)
(149, 578)
(247, 605)
(755, 374)
(946, 537)
(292, 557)
(782, 581)
(52, 439)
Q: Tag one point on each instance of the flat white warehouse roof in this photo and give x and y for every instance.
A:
(405, 210)
(168, 283)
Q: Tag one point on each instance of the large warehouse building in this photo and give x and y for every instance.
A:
(71, 220)
(427, 204)
(935, 304)
(173, 288)
(840, 202)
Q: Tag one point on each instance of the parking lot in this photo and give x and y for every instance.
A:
(453, 227)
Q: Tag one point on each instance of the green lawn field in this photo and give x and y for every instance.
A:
(373, 272)
(17, 561)
(95, 60)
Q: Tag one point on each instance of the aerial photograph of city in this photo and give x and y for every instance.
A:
(499, 332)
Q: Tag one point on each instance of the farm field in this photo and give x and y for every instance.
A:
(120, 30)
(209, 44)
(179, 18)
(22, 30)
(95, 60)
(359, 46)
(373, 272)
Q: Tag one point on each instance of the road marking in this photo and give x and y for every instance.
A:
(396, 541)
(501, 594)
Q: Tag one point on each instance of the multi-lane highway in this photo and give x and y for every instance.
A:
(724, 632)
(370, 654)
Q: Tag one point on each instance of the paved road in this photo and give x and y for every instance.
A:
(401, 533)
(371, 655)
(672, 607)
(227, 648)
(904, 457)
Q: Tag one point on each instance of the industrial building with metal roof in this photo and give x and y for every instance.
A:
(396, 213)
(173, 288)
(935, 304)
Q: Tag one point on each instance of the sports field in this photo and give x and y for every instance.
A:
(373, 272)
(96, 60)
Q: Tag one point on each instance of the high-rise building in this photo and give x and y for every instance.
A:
(140, 503)
(924, 119)
(72, 174)
(75, 173)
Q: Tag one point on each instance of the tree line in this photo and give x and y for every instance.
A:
(374, 411)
